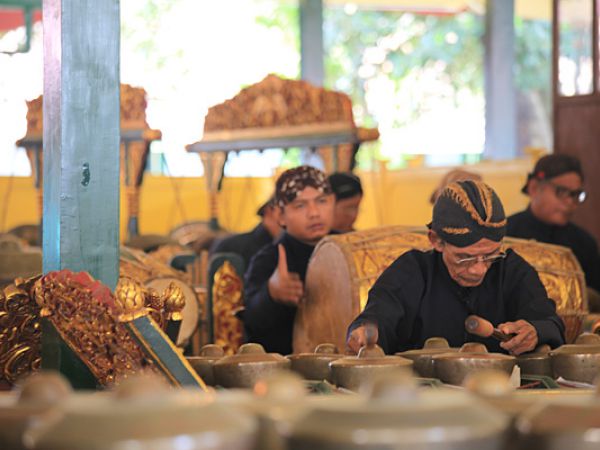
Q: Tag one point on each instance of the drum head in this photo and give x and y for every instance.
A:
(191, 310)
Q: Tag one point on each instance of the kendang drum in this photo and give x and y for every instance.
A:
(343, 268)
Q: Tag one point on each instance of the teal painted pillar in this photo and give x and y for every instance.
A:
(81, 150)
(500, 92)
(311, 41)
(311, 57)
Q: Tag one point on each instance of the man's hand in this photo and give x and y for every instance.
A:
(359, 337)
(285, 287)
(526, 338)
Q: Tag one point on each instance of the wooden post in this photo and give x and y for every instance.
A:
(500, 94)
(311, 41)
(81, 150)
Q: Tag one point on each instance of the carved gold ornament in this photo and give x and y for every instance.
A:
(85, 314)
(279, 108)
(154, 305)
(130, 300)
(174, 301)
(276, 102)
(227, 299)
(20, 331)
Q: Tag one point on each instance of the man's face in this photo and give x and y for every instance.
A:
(471, 273)
(346, 212)
(550, 201)
(310, 216)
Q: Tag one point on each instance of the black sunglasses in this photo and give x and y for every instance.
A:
(562, 192)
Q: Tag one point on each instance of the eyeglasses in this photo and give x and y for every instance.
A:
(471, 261)
(562, 192)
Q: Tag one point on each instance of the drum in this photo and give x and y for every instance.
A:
(198, 235)
(191, 310)
(355, 261)
(142, 267)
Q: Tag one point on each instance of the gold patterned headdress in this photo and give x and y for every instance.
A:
(468, 211)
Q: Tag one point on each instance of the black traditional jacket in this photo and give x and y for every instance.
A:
(244, 244)
(415, 298)
(525, 225)
(266, 321)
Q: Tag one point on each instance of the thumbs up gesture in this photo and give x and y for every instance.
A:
(284, 286)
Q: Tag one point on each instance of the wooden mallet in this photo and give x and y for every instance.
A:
(481, 327)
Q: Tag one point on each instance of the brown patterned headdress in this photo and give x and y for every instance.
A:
(293, 181)
(468, 211)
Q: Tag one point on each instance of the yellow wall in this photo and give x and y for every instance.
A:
(391, 197)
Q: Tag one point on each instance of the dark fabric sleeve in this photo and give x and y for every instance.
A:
(240, 244)
(512, 225)
(266, 321)
(388, 305)
(530, 302)
(591, 262)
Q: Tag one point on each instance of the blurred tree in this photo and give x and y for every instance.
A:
(401, 47)
(533, 79)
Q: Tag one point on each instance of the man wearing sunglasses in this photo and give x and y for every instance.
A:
(428, 294)
(555, 189)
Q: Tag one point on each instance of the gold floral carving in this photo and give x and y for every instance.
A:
(155, 306)
(275, 101)
(84, 312)
(133, 107)
(143, 269)
(133, 301)
(96, 341)
(133, 111)
(174, 301)
(227, 299)
(277, 108)
(130, 300)
(20, 331)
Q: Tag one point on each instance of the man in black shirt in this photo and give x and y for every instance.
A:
(248, 244)
(274, 282)
(427, 294)
(555, 188)
(348, 192)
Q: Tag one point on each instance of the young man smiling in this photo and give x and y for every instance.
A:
(274, 282)
(428, 294)
(555, 189)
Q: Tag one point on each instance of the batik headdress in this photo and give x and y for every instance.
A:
(293, 181)
(468, 211)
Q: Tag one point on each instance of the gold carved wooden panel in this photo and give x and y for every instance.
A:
(227, 291)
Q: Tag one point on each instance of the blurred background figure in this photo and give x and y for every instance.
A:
(451, 177)
(555, 190)
(248, 244)
(348, 194)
